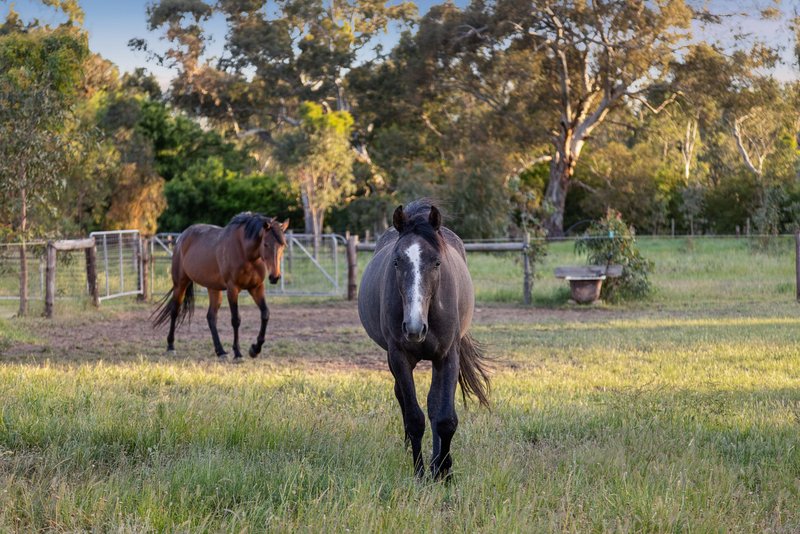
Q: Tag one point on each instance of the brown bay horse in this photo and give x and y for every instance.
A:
(228, 259)
(416, 301)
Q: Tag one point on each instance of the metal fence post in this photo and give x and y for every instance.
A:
(121, 266)
(289, 251)
(105, 262)
(144, 281)
(335, 247)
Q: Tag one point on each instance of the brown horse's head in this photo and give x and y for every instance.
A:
(272, 246)
(417, 257)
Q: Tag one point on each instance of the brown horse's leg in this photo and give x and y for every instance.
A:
(233, 302)
(261, 301)
(413, 418)
(178, 293)
(214, 302)
(442, 412)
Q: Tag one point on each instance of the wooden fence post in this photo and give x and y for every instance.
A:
(352, 266)
(50, 283)
(797, 261)
(91, 275)
(527, 286)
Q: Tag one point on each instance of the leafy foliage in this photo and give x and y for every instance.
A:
(209, 192)
(319, 160)
(610, 241)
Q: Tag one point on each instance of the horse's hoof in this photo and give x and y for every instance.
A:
(171, 352)
(253, 352)
(222, 356)
(237, 360)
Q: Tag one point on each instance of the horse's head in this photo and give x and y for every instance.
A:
(272, 246)
(417, 256)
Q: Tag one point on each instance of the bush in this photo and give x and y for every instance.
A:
(610, 241)
(209, 193)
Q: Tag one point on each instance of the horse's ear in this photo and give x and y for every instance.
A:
(435, 218)
(399, 219)
(267, 224)
(285, 225)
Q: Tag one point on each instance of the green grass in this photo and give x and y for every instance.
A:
(688, 272)
(679, 414)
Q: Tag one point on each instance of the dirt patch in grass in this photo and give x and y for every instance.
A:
(321, 334)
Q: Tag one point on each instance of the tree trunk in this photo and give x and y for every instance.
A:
(555, 196)
(308, 216)
(23, 256)
(318, 216)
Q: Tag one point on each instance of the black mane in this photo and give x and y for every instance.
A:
(417, 213)
(253, 224)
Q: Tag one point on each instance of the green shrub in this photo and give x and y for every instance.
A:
(610, 241)
(207, 192)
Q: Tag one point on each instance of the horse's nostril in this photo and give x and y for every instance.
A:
(424, 330)
(405, 328)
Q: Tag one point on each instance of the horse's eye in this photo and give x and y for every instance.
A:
(395, 262)
(438, 263)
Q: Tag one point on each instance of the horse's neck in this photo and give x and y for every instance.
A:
(252, 249)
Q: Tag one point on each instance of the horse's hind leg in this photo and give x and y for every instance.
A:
(214, 302)
(233, 302)
(442, 412)
(178, 293)
(413, 418)
(261, 301)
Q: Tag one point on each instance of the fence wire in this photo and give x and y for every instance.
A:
(305, 271)
(118, 263)
(70, 280)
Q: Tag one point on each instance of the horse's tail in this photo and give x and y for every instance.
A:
(473, 374)
(163, 312)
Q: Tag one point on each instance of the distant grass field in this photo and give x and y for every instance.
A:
(687, 272)
(678, 414)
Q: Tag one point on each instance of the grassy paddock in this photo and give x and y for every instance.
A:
(680, 414)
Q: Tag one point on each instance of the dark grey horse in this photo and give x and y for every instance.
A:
(416, 301)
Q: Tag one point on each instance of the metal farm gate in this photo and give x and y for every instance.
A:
(119, 263)
(304, 273)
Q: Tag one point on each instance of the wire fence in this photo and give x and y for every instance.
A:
(690, 268)
(119, 258)
(70, 278)
(306, 270)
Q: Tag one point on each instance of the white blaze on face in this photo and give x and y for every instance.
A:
(413, 254)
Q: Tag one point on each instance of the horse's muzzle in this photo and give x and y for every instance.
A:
(415, 333)
(274, 279)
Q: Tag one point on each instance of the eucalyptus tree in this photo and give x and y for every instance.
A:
(600, 55)
(40, 69)
(277, 56)
(319, 161)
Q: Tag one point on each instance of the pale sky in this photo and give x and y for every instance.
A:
(112, 23)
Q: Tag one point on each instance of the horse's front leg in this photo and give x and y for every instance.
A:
(442, 412)
(214, 302)
(260, 299)
(233, 302)
(413, 418)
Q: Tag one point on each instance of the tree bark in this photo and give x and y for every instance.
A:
(561, 169)
(308, 217)
(318, 216)
(23, 256)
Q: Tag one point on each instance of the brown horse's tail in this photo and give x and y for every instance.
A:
(473, 375)
(163, 312)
